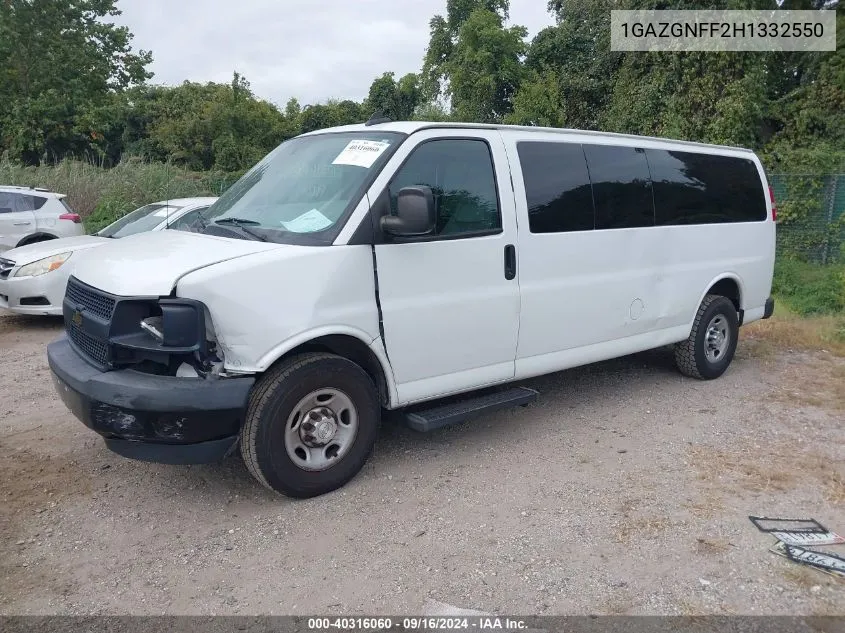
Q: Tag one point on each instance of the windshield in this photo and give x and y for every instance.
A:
(144, 219)
(302, 191)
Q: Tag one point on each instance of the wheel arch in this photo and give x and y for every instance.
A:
(348, 343)
(726, 285)
(38, 236)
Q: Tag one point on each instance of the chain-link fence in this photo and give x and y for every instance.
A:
(811, 216)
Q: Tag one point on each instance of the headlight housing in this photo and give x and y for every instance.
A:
(168, 331)
(43, 266)
(180, 324)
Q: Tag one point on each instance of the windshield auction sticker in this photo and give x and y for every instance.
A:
(308, 222)
(361, 153)
(709, 30)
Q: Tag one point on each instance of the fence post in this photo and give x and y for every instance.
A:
(831, 201)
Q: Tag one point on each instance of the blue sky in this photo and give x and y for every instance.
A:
(309, 49)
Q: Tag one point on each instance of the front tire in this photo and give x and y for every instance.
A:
(311, 424)
(711, 345)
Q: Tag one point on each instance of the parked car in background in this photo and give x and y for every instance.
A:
(29, 215)
(33, 277)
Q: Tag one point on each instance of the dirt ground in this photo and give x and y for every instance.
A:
(625, 489)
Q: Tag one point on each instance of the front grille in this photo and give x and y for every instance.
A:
(6, 266)
(93, 301)
(98, 351)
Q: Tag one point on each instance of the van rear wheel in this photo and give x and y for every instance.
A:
(711, 345)
(311, 424)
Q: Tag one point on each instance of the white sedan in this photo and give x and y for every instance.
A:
(33, 277)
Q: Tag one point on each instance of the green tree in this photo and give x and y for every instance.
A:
(292, 108)
(486, 69)
(573, 59)
(396, 99)
(538, 102)
(716, 97)
(710, 97)
(60, 63)
(203, 126)
(432, 111)
(330, 114)
(473, 60)
(444, 35)
(809, 120)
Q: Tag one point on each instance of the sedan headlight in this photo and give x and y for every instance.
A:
(42, 266)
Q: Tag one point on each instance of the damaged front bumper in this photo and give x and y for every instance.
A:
(163, 419)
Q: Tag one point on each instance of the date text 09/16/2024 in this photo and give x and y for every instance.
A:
(426, 623)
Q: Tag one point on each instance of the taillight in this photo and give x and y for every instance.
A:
(774, 204)
(73, 217)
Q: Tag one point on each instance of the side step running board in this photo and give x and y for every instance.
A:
(425, 420)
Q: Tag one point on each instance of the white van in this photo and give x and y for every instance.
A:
(390, 265)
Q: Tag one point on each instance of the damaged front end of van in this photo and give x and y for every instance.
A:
(146, 375)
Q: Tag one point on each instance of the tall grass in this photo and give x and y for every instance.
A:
(787, 329)
(810, 309)
(101, 195)
(810, 289)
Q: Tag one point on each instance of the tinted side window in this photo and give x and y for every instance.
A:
(460, 173)
(621, 186)
(557, 187)
(36, 202)
(8, 203)
(692, 188)
(15, 202)
(24, 203)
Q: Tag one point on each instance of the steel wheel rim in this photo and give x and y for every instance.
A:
(321, 429)
(717, 338)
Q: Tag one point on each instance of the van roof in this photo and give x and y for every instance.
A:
(409, 127)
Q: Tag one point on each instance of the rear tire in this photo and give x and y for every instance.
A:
(711, 345)
(35, 240)
(311, 424)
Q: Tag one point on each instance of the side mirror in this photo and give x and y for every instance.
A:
(415, 213)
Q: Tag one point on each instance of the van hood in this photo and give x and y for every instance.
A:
(24, 255)
(150, 264)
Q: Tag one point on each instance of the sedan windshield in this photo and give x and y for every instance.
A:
(303, 190)
(144, 219)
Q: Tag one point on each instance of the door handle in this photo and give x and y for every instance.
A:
(510, 262)
(22, 223)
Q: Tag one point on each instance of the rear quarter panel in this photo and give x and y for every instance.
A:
(48, 222)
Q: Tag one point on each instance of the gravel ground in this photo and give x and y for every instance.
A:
(624, 489)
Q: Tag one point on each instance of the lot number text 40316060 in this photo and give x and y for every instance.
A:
(417, 623)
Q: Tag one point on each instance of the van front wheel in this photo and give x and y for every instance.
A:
(311, 424)
(711, 345)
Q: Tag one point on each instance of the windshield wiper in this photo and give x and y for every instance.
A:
(243, 225)
(237, 221)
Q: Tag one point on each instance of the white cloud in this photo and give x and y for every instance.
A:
(309, 49)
